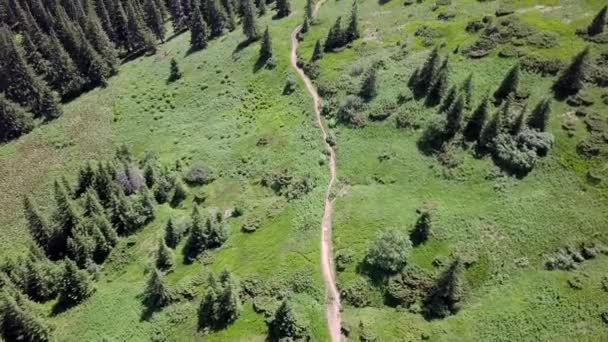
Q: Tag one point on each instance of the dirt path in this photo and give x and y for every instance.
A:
(334, 319)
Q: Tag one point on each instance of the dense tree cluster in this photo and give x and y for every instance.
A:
(204, 235)
(338, 36)
(221, 304)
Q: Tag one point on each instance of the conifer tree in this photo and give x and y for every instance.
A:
(426, 75)
(261, 5)
(81, 246)
(248, 20)
(285, 324)
(175, 74)
(75, 285)
(66, 216)
(122, 215)
(472, 131)
(40, 275)
(216, 233)
(317, 53)
(305, 25)
(178, 17)
(100, 40)
(22, 85)
(157, 293)
(198, 238)
(144, 207)
(207, 311)
(229, 299)
(172, 237)
(439, 86)
(198, 29)
(308, 11)
(454, 117)
(164, 256)
(490, 131)
(283, 8)
(104, 16)
(539, 119)
(509, 84)
(598, 24)
(106, 229)
(446, 295)
(86, 179)
(335, 36)
(154, 19)
(150, 174)
(179, 193)
(138, 35)
(422, 229)
(18, 322)
(265, 47)
(14, 120)
(449, 99)
(368, 87)
(39, 228)
(91, 205)
(63, 74)
(121, 23)
(230, 14)
(572, 79)
(467, 89)
(104, 179)
(42, 15)
(352, 31)
(217, 18)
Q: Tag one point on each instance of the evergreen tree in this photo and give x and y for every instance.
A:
(21, 85)
(519, 121)
(172, 237)
(446, 295)
(63, 74)
(509, 84)
(14, 120)
(308, 11)
(208, 308)
(229, 300)
(81, 246)
(66, 216)
(454, 117)
(573, 77)
(86, 179)
(91, 205)
(230, 14)
(138, 35)
(100, 40)
(422, 229)
(39, 228)
(261, 5)
(439, 86)
(150, 173)
(121, 23)
(352, 31)
(18, 322)
(198, 238)
(122, 215)
(283, 8)
(178, 18)
(75, 285)
(157, 293)
(216, 233)
(179, 194)
(474, 127)
(599, 23)
(265, 47)
(105, 227)
(154, 19)
(368, 87)
(217, 18)
(317, 53)
(164, 256)
(175, 74)
(426, 75)
(42, 15)
(104, 179)
(40, 276)
(449, 99)
(198, 29)
(144, 207)
(539, 119)
(104, 16)
(305, 25)
(285, 325)
(335, 36)
(467, 89)
(490, 131)
(248, 20)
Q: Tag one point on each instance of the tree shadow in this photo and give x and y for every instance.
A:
(432, 140)
(242, 45)
(377, 277)
(383, 2)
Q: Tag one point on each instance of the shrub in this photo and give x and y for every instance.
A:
(408, 286)
(348, 113)
(357, 293)
(198, 174)
(389, 251)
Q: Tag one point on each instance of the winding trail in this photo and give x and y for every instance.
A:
(332, 310)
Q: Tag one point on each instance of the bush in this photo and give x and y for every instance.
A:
(198, 174)
(389, 251)
(408, 287)
(349, 111)
(357, 293)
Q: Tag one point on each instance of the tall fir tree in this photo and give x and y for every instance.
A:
(317, 53)
(164, 256)
(454, 117)
(172, 237)
(265, 47)
(598, 24)
(368, 88)
(426, 75)
(154, 19)
(439, 86)
(138, 35)
(14, 120)
(104, 16)
(229, 299)
(447, 293)
(198, 238)
(157, 293)
(121, 23)
(75, 285)
(174, 72)
(250, 28)
(22, 85)
(283, 8)
(178, 17)
(539, 119)
(490, 131)
(352, 30)
(198, 29)
(449, 99)
(285, 325)
(335, 36)
(38, 226)
(63, 75)
(308, 10)
(217, 18)
(230, 14)
(261, 6)
(18, 322)
(475, 125)
(572, 79)
(100, 40)
(509, 84)
(467, 89)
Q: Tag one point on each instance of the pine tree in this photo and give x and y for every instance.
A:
(157, 293)
(572, 79)
(335, 36)
(467, 89)
(439, 86)
(154, 19)
(21, 85)
(599, 23)
(100, 40)
(207, 311)
(172, 237)
(283, 8)
(248, 20)
(305, 25)
(39, 228)
(229, 299)
(178, 18)
(104, 16)
(454, 117)
(448, 99)
(179, 194)
(198, 29)
(422, 229)
(474, 127)
(63, 74)
(426, 76)
(122, 215)
(75, 285)
(352, 31)
(261, 5)
(509, 84)
(14, 120)
(230, 14)
(265, 47)
(308, 11)
(175, 74)
(121, 23)
(66, 216)
(446, 295)
(164, 256)
(317, 53)
(217, 18)
(86, 179)
(198, 238)
(18, 322)
(490, 131)
(138, 35)
(539, 119)
(285, 324)
(368, 87)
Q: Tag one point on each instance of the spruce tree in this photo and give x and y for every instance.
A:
(164, 256)
(230, 14)
(104, 16)
(448, 99)
(66, 215)
(38, 226)
(335, 36)
(572, 79)
(217, 18)
(352, 30)
(75, 285)
(229, 300)
(91, 205)
(150, 174)
(42, 15)
(446, 295)
(305, 25)
(18, 322)
(265, 47)
(368, 87)
(317, 53)
(248, 20)
(105, 227)
(21, 85)
(178, 18)
(539, 119)
(490, 131)
(261, 6)
(63, 74)
(100, 40)
(81, 246)
(138, 35)
(472, 131)
(283, 8)
(208, 309)
(172, 237)
(467, 89)
(598, 24)
(454, 117)
(285, 324)
(121, 23)
(179, 193)
(174, 73)
(198, 29)
(308, 11)
(157, 293)
(439, 86)
(122, 215)
(104, 179)
(509, 84)
(198, 238)
(86, 179)
(426, 75)
(14, 120)
(154, 19)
